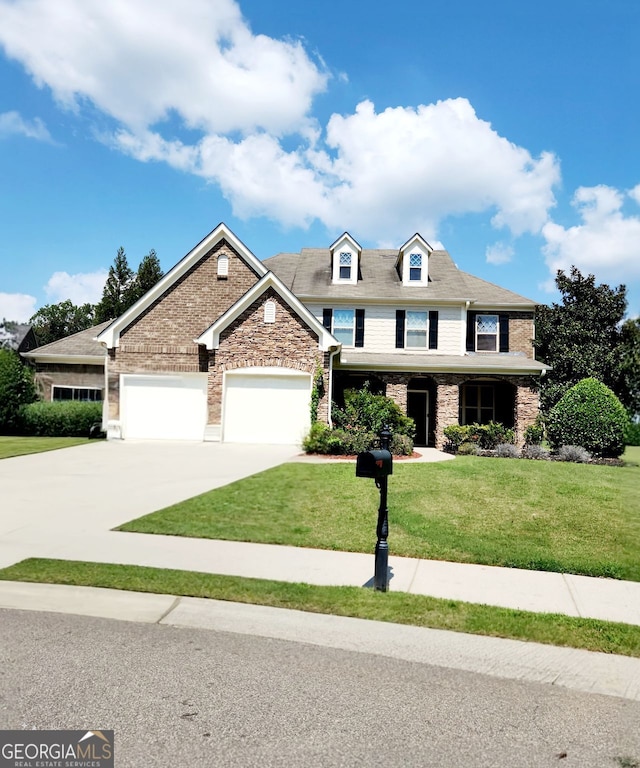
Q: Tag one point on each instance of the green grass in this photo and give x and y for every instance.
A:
(20, 446)
(551, 516)
(397, 607)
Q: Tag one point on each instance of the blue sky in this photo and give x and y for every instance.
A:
(506, 132)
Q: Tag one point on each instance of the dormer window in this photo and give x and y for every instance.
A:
(345, 265)
(345, 260)
(415, 267)
(413, 262)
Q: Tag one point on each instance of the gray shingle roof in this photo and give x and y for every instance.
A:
(402, 361)
(80, 344)
(308, 275)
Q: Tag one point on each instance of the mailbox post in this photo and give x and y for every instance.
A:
(378, 464)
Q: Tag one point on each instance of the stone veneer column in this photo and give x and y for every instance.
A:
(448, 405)
(397, 390)
(526, 408)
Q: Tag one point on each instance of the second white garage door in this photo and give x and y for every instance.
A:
(266, 405)
(164, 407)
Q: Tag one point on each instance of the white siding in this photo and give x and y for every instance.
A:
(380, 328)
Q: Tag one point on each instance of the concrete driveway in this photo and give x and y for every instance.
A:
(49, 498)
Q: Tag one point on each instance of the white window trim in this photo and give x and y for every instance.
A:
(406, 329)
(75, 386)
(496, 335)
(352, 343)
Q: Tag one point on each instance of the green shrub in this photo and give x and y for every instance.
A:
(534, 433)
(370, 413)
(632, 433)
(60, 419)
(591, 416)
(489, 436)
(456, 435)
(484, 436)
(17, 388)
(468, 449)
(321, 439)
(401, 445)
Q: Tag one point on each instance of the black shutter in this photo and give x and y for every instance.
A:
(327, 316)
(471, 331)
(504, 332)
(433, 329)
(359, 328)
(399, 328)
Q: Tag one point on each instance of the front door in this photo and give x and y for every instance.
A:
(418, 410)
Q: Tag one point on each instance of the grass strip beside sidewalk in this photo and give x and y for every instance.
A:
(396, 607)
(23, 446)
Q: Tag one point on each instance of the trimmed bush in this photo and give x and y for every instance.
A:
(370, 413)
(574, 453)
(484, 436)
(507, 451)
(468, 449)
(60, 419)
(591, 416)
(535, 451)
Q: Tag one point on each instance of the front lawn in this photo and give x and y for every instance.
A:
(20, 446)
(553, 516)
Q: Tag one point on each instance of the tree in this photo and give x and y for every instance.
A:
(630, 366)
(17, 388)
(117, 290)
(149, 272)
(55, 321)
(581, 337)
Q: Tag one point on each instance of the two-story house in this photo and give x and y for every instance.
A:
(228, 347)
(448, 347)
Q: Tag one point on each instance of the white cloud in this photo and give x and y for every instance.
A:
(18, 307)
(80, 289)
(606, 243)
(381, 174)
(139, 62)
(499, 253)
(13, 124)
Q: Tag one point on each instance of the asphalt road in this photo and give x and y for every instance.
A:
(185, 697)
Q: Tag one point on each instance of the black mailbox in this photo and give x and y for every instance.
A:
(375, 464)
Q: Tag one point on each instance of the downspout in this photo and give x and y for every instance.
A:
(105, 403)
(463, 340)
(335, 352)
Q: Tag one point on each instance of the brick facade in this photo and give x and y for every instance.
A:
(251, 342)
(161, 339)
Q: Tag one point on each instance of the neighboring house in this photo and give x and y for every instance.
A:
(226, 347)
(71, 368)
(17, 336)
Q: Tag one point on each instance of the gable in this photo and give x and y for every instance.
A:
(201, 287)
(269, 288)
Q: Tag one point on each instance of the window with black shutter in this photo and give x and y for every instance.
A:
(400, 314)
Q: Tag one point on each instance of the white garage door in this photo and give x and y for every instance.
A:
(266, 405)
(164, 407)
